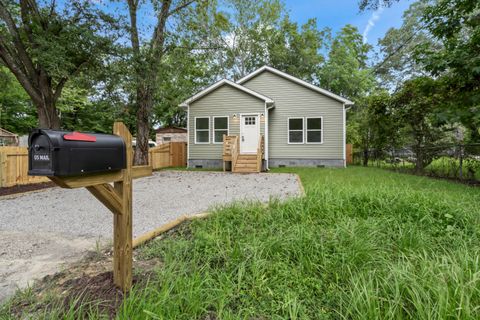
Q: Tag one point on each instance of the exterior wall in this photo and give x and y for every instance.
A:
(175, 137)
(224, 101)
(294, 100)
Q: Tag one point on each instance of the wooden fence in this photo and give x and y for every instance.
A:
(349, 154)
(173, 154)
(14, 167)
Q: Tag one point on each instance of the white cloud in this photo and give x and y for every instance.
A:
(371, 23)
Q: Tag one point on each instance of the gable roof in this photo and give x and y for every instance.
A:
(6, 133)
(221, 83)
(296, 80)
(172, 129)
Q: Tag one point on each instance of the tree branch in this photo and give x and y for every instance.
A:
(59, 88)
(19, 45)
(180, 7)
(19, 74)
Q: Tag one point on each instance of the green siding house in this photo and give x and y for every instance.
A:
(289, 121)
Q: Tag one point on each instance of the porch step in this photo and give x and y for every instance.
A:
(247, 156)
(246, 170)
(246, 163)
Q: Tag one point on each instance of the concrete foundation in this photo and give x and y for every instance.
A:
(275, 163)
(207, 163)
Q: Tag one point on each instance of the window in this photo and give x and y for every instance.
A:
(202, 130)
(167, 139)
(315, 130)
(220, 128)
(295, 130)
(250, 121)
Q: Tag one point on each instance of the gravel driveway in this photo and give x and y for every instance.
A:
(42, 230)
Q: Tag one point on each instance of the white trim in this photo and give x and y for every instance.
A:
(344, 136)
(188, 134)
(321, 130)
(296, 80)
(219, 84)
(303, 130)
(213, 126)
(195, 129)
(265, 126)
(241, 125)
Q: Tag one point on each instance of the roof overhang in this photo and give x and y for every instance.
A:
(296, 80)
(220, 83)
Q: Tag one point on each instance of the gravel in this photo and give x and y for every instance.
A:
(57, 224)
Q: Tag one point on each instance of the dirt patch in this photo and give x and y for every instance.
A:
(28, 256)
(25, 188)
(82, 286)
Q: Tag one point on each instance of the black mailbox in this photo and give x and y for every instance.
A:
(64, 153)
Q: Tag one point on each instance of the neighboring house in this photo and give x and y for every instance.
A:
(170, 134)
(8, 138)
(269, 119)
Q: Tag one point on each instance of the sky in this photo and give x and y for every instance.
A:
(337, 13)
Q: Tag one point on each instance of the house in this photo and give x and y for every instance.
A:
(266, 119)
(170, 134)
(8, 138)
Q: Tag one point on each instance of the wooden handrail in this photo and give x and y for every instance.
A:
(230, 150)
(235, 152)
(260, 152)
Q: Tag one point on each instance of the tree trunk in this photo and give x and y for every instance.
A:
(47, 114)
(419, 159)
(365, 157)
(145, 104)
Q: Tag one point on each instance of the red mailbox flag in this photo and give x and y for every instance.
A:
(78, 136)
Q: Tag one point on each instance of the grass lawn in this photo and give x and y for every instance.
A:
(364, 243)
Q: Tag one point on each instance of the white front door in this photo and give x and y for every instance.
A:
(249, 133)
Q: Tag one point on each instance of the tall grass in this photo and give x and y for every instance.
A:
(363, 243)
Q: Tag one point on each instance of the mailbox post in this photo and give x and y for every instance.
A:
(118, 199)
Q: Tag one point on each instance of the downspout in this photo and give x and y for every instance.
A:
(344, 137)
(266, 138)
(188, 134)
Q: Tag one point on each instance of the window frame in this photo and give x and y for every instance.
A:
(214, 129)
(303, 130)
(321, 130)
(195, 129)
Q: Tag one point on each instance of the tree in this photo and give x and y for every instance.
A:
(147, 58)
(456, 25)
(374, 126)
(297, 50)
(44, 46)
(346, 72)
(399, 47)
(417, 104)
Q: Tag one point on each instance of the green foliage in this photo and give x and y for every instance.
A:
(374, 125)
(296, 50)
(374, 4)
(345, 71)
(16, 112)
(45, 44)
(456, 25)
(417, 104)
(398, 48)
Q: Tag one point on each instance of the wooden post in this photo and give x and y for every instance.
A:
(122, 224)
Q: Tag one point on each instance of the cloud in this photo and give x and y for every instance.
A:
(371, 23)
